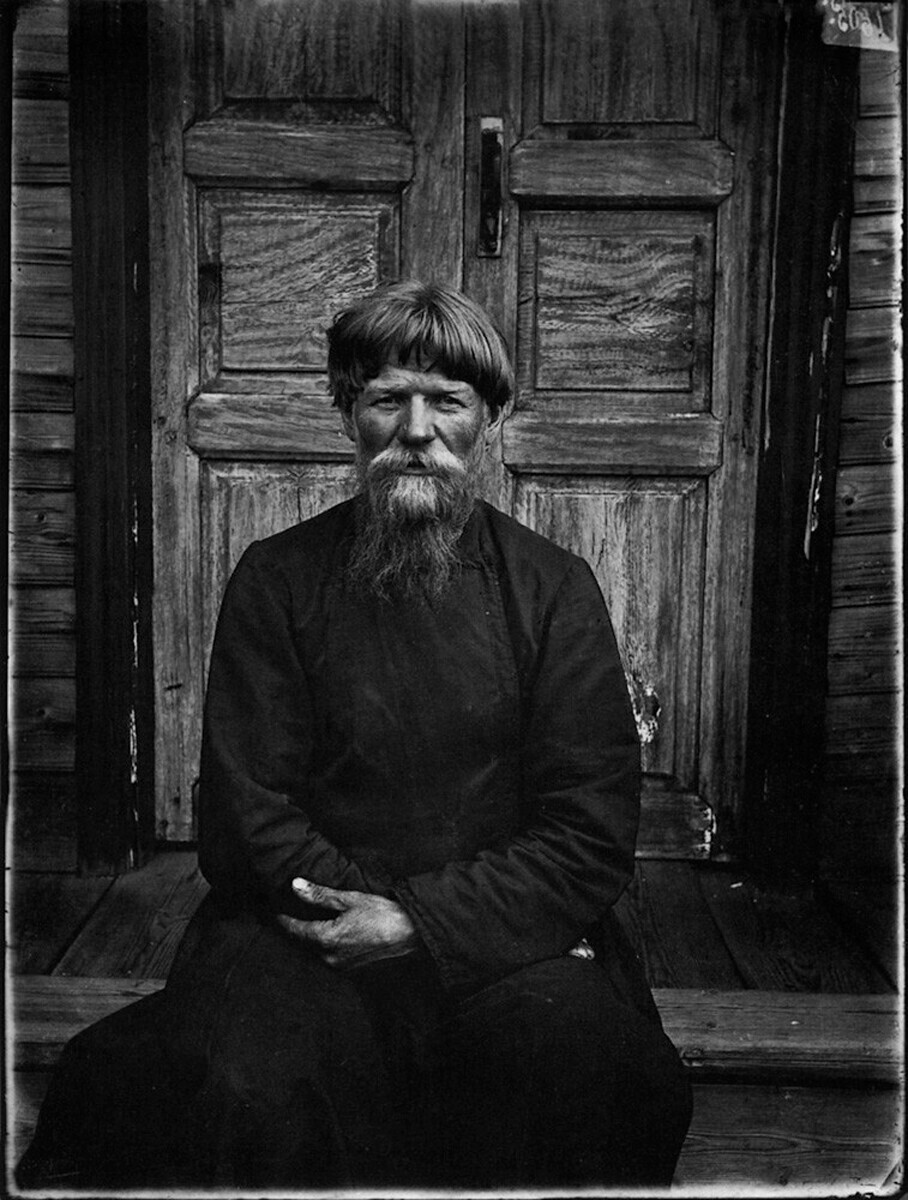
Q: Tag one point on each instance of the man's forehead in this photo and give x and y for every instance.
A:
(415, 376)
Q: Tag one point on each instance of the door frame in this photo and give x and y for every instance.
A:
(114, 418)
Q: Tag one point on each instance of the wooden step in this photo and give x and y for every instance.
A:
(791, 1089)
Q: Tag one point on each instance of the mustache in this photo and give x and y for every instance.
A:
(393, 461)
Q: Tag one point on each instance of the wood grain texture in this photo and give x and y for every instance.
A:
(43, 730)
(619, 302)
(40, 50)
(44, 356)
(40, 141)
(876, 150)
(865, 652)
(42, 543)
(46, 913)
(782, 940)
(174, 372)
(685, 445)
(42, 433)
(873, 260)
(41, 472)
(324, 49)
(784, 1036)
(432, 214)
(161, 898)
(334, 156)
(747, 1139)
(869, 430)
(293, 427)
(644, 542)
(664, 170)
(863, 736)
(864, 569)
(879, 76)
(42, 223)
(873, 345)
(861, 827)
(672, 930)
(285, 269)
(651, 65)
(866, 500)
(673, 824)
(43, 305)
(34, 391)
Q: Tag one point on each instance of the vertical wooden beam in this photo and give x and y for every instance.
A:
(796, 483)
(7, 25)
(109, 141)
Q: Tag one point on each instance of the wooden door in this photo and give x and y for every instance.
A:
(305, 150)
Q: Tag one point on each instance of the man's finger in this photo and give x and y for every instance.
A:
(325, 897)
(319, 932)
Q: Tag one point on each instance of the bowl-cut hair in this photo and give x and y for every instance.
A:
(428, 323)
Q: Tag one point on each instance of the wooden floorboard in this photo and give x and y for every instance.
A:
(47, 911)
(138, 925)
(672, 929)
(833, 1141)
(781, 939)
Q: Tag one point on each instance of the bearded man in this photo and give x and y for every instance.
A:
(419, 800)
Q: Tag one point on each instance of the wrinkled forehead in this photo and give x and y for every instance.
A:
(417, 374)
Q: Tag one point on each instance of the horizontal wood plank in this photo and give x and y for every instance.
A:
(42, 299)
(43, 808)
(43, 631)
(37, 654)
(750, 1140)
(42, 223)
(43, 538)
(865, 653)
(41, 141)
(336, 156)
(39, 392)
(866, 499)
(41, 433)
(37, 472)
(868, 431)
(860, 824)
(681, 445)
(782, 940)
(873, 344)
(635, 171)
(40, 45)
(301, 426)
(877, 143)
(673, 824)
(873, 260)
(52, 356)
(776, 1036)
(863, 735)
(731, 1035)
(878, 85)
(864, 569)
(44, 724)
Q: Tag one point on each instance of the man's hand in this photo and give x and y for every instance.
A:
(365, 929)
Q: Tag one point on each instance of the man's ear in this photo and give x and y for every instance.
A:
(494, 424)
(347, 422)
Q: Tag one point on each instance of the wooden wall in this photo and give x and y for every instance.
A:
(859, 828)
(42, 508)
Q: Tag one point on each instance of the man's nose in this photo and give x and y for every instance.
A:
(417, 422)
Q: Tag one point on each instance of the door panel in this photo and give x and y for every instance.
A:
(321, 146)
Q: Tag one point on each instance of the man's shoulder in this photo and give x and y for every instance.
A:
(318, 536)
(526, 551)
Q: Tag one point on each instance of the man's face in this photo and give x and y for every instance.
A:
(413, 427)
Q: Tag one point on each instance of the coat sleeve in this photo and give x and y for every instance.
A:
(254, 835)
(533, 896)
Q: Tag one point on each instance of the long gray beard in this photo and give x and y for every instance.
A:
(406, 537)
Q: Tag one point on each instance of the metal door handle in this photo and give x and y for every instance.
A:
(491, 162)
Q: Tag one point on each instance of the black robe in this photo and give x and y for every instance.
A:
(474, 758)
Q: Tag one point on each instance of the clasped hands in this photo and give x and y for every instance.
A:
(366, 928)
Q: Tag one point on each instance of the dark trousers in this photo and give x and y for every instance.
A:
(263, 1068)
